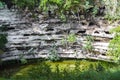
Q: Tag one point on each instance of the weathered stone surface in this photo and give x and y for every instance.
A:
(37, 39)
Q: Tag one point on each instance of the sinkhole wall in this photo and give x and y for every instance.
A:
(68, 39)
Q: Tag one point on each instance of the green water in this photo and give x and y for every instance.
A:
(63, 70)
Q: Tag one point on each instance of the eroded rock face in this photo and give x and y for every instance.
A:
(36, 40)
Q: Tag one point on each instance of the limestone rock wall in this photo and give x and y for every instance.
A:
(35, 40)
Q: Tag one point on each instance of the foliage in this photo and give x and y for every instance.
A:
(114, 47)
(62, 8)
(88, 45)
(30, 52)
(69, 40)
(25, 3)
(23, 61)
(1, 4)
(2, 79)
(53, 54)
(112, 9)
(44, 71)
(65, 8)
(3, 40)
(3, 28)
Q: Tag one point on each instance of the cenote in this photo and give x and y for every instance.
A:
(59, 40)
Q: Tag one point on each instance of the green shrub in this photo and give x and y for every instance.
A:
(112, 9)
(63, 8)
(53, 54)
(3, 40)
(88, 47)
(69, 40)
(114, 47)
(25, 3)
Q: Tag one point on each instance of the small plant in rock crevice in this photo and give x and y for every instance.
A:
(29, 52)
(88, 47)
(69, 40)
(53, 54)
